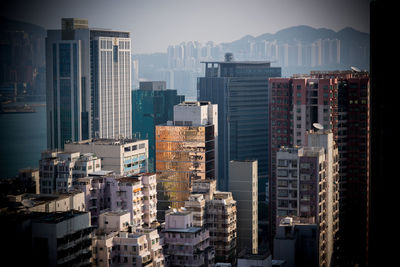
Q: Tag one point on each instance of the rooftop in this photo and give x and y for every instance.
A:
(57, 217)
(183, 230)
(103, 141)
(239, 62)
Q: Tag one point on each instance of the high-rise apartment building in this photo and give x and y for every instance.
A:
(88, 83)
(58, 170)
(134, 194)
(241, 91)
(186, 245)
(243, 183)
(185, 152)
(217, 212)
(222, 223)
(115, 244)
(348, 115)
(152, 104)
(301, 190)
(308, 186)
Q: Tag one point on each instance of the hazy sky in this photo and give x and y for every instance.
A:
(155, 24)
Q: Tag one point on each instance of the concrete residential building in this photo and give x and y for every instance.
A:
(243, 183)
(62, 238)
(123, 156)
(197, 205)
(186, 245)
(58, 170)
(185, 152)
(221, 221)
(308, 186)
(88, 83)
(241, 90)
(115, 193)
(152, 104)
(325, 139)
(349, 98)
(116, 245)
(72, 200)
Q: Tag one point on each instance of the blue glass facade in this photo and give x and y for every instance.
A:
(151, 108)
(241, 91)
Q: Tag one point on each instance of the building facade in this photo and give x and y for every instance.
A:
(186, 245)
(152, 104)
(58, 170)
(185, 152)
(243, 183)
(135, 194)
(63, 238)
(123, 156)
(88, 83)
(241, 91)
(116, 245)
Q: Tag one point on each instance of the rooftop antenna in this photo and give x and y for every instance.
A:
(355, 69)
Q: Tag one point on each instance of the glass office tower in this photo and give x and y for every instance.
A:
(152, 104)
(241, 91)
(88, 83)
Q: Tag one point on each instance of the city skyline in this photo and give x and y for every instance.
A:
(312, 187)
(153, 27)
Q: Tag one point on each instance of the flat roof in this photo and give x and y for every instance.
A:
(239, 62)
(183, 230)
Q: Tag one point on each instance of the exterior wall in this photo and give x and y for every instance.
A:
(111, 65)
(197, 205)
(241, 91)
(183, 154)
(149, 182)
(57, 231)
(114, 221)
(134, 249)
(186, 245)
(68, 77)
(222, 219)
(58, 170)
(151, 108)
(121, 193)
(243, 183)
(122, 157)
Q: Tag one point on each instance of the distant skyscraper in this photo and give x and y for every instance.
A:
(185, 151)
(111, 83)
(241, 91)
(68, 83)
(88, 83)
(152, 104)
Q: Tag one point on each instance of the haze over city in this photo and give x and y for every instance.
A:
(211, 133)
(155, 24)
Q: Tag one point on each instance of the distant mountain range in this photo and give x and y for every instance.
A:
(307, 34)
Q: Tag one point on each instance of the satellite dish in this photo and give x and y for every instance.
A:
(355, 69)
(174, 210)
(183, 208)
(318, 126)
(27, 203)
